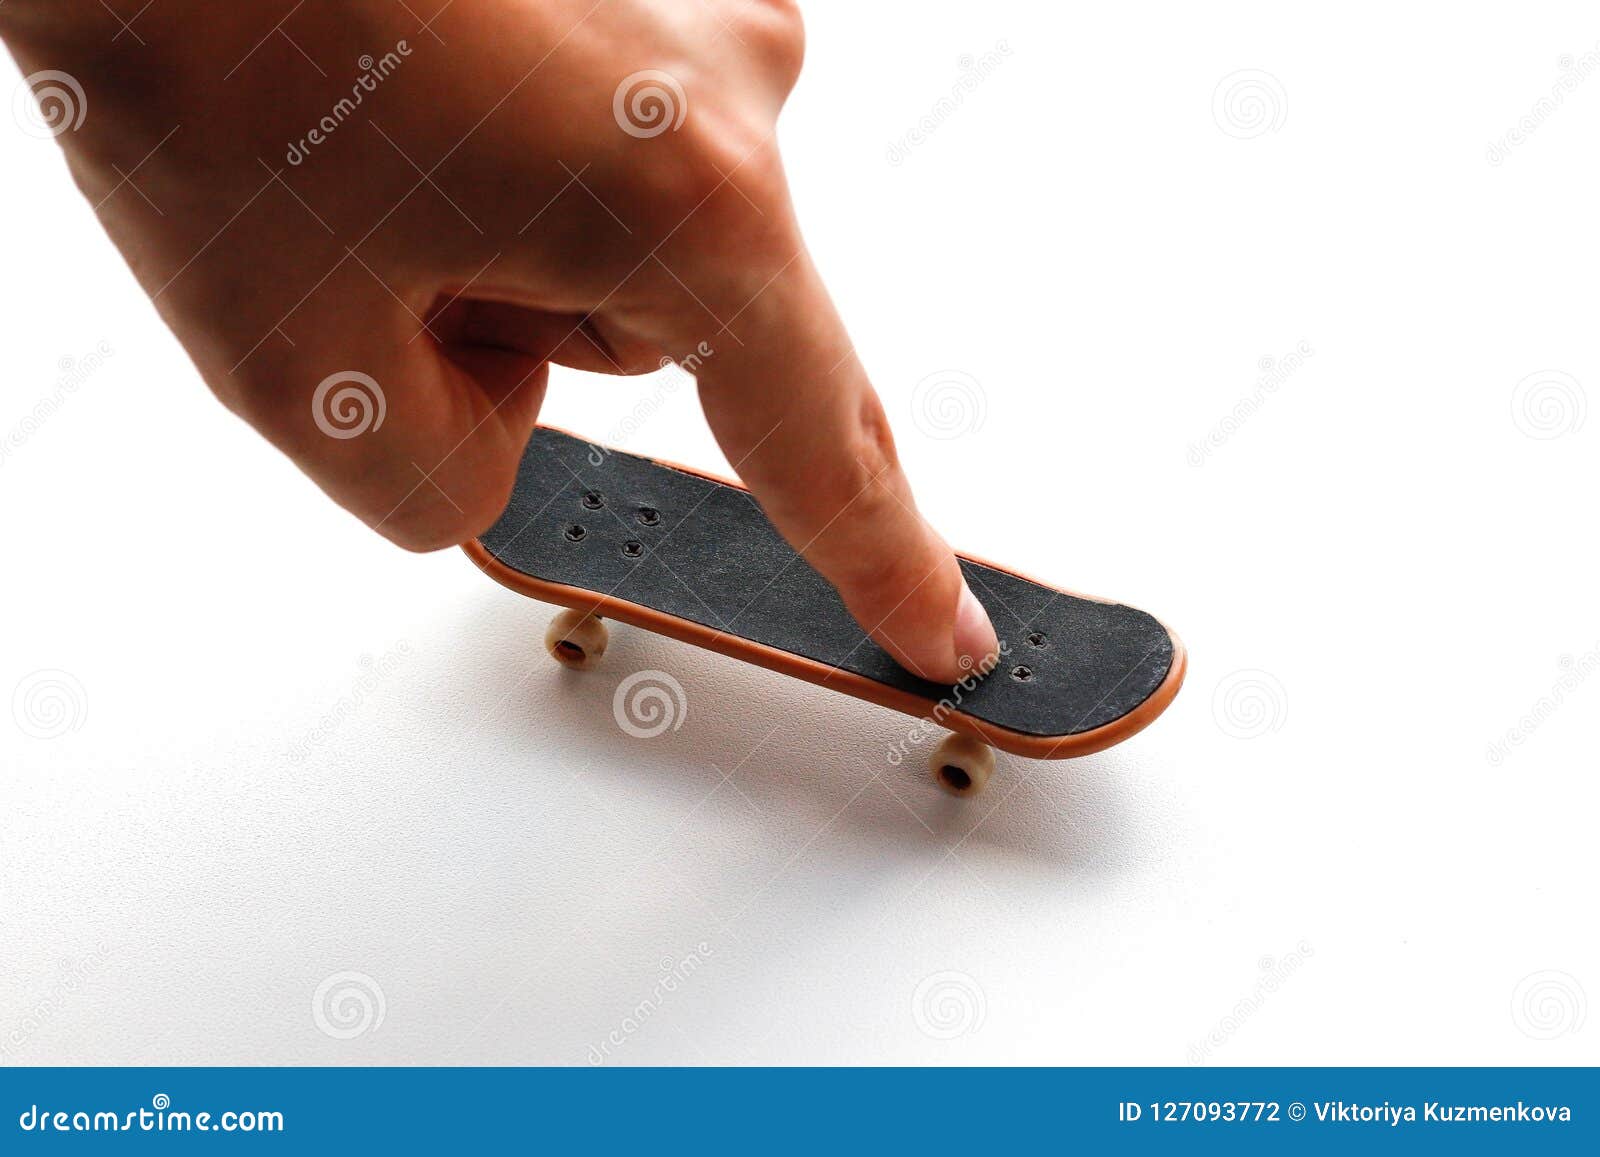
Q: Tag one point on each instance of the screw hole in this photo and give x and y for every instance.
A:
(649, 516)
(592, 500)
(1022, 673)
(1037, 639)
(575, 533)
(632, 549)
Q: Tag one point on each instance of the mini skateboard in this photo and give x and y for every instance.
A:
(608, 534)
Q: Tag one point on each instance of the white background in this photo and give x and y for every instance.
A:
(1314, 861)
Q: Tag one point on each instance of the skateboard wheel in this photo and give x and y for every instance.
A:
(575, 639)
(962, 765)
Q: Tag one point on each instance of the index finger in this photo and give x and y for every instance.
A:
(792, 408)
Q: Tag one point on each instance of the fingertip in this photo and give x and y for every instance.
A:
(976, 644)
(941, 640)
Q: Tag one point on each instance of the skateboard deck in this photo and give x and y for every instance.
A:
(688, 555)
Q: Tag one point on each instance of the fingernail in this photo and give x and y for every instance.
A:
(976, 642)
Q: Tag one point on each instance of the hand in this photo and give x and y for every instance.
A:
(449, 207)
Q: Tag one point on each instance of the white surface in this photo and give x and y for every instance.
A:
(1383, 540)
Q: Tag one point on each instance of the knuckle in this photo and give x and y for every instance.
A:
(423, 524)
(254, 393)
(723, 194)
(780, 28)
(683, 173)
(874, 443)
(861, 486)
(416, 536)
(889, 579)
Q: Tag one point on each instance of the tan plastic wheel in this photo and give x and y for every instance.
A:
(962, 765)
(575, 639)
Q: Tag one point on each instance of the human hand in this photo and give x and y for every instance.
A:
(432, 213)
